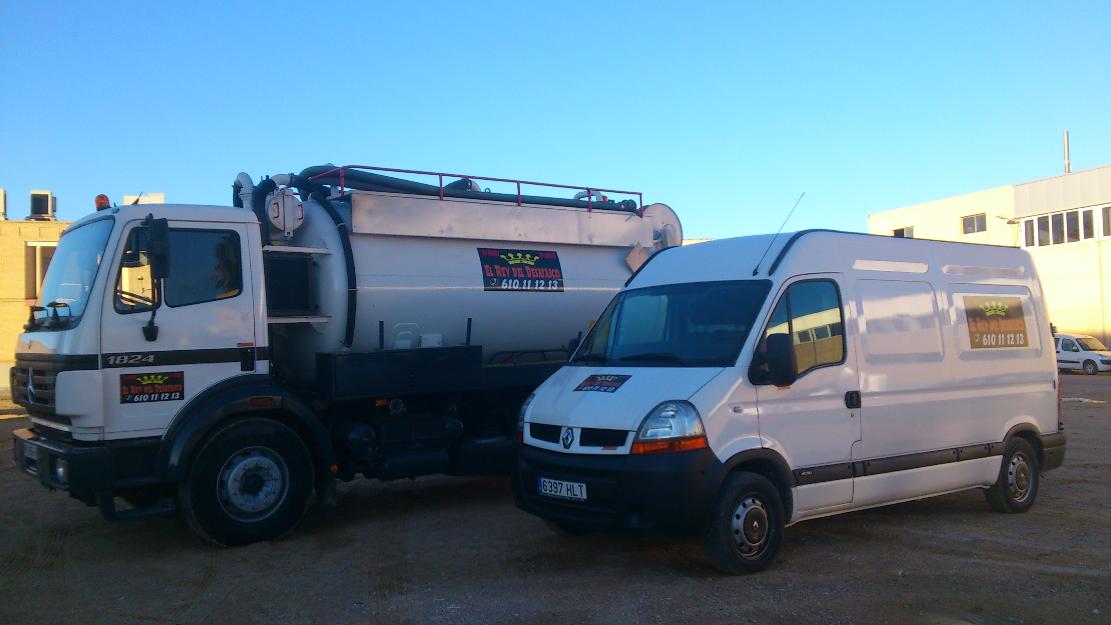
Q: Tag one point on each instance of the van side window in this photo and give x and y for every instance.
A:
(1070, 345)
(811, 312)
(205, 266)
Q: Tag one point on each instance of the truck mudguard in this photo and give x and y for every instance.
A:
(243, 395)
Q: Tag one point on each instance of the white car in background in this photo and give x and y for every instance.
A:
(1083, 352)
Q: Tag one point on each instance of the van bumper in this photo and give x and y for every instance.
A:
(1053, 450)
(666, 491)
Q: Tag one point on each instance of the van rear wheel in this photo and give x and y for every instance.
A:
(747, 527)
(1017, 486)
(250, 481)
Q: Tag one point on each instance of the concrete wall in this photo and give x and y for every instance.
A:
(18, 278)
(1076, 278)
(942, 219)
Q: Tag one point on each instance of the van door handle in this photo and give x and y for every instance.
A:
(852, 400)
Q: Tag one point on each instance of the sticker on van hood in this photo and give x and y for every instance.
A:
(602, 383)
(520, 270)
(995, 322)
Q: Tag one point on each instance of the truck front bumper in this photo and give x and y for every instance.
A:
(92, 472)
(666, 491)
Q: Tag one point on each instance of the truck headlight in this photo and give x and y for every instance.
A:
(671, 426)
(61, 471)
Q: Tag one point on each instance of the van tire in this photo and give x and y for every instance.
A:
(230, 497)
(1017, 486)
(1090, 367)
(747, 525)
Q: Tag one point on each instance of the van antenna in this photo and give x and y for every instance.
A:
(772, 242)
(136, 201)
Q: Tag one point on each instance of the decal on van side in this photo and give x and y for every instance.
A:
(520, 270)
(139, 388)
(995, 321)
(602, 383)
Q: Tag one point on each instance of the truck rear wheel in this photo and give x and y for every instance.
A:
(747, 527)
(250, 481)
(1017, 486)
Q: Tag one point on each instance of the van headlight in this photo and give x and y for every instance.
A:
(671, 426)
(524, 409)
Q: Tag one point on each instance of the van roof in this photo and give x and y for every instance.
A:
(766, 256)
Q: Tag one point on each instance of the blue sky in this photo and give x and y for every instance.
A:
(724, 111)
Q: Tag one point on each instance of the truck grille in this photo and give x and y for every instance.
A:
(33, 387)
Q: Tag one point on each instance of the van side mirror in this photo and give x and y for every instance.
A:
(158, 250)
(781, 360)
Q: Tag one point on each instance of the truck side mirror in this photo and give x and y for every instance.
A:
(158, 250)
(781, 360)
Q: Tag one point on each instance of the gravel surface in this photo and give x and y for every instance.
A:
(447, 550)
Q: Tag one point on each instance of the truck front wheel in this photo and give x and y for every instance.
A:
(250, 481)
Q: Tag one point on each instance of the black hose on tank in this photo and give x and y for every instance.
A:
(258, 206)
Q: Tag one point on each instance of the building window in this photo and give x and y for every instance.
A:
(1072, 226)
(974, 223)
(1058, 221)
(1107, 221)
(1043, 230)
(37, 256)
(1029, 226)
(1089, 225)
(907, 233)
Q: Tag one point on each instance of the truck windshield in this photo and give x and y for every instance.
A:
(697, 324)
(70, 276)
(1092, 345)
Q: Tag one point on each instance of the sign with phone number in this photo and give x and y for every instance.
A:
(139, 388)
(520, 270)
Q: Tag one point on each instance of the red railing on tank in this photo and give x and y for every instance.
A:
(440, 176)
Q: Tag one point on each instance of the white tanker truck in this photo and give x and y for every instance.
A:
(232, 361)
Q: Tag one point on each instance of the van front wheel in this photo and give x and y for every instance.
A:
(1090, 367)
(747, 527)
(1017, 486)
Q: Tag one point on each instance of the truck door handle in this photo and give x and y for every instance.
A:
(246, 358)
(852, 400)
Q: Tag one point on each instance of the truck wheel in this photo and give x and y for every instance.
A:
(1017, 486)
(250, 481)
(747, 527)
(1090, 367)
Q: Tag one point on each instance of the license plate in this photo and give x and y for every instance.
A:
(561, 489)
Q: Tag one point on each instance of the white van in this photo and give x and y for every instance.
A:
(742, 385)
(1082, 352)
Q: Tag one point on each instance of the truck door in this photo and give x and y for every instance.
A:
(815, 421)
(204, 317)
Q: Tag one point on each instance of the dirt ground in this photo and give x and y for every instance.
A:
(446, 550)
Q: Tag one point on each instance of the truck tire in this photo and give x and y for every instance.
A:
(1090, 367)
(250, 481)
(1017, 486)
(747, 525)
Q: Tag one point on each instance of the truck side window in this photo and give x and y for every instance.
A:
(205, 266)
(134, 288)
(810, 311)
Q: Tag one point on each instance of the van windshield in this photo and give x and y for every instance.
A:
(697, 324)
(1092, 344)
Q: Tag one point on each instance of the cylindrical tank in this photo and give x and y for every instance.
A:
(515, 280)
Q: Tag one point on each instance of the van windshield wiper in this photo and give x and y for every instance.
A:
(591, 358)
(663, 356)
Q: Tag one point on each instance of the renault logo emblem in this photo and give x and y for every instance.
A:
(568, 437)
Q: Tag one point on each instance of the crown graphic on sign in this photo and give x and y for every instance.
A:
(519, 258)
(153, 378)
(994, 309)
